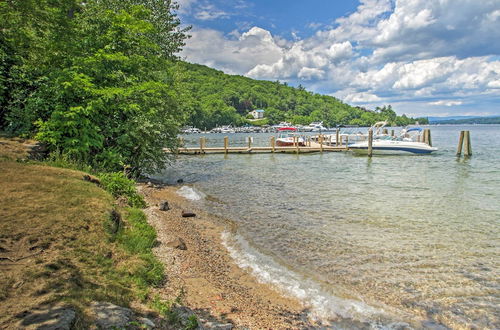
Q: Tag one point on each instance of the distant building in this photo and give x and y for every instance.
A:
(257, 114)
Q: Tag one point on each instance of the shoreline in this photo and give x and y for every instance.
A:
(205, 276)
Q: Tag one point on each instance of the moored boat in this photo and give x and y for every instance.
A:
(288, 137)
(392, 147)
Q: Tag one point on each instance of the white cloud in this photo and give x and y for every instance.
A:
(389, 51)
(447, 103)
(310, 73)
(362, 98)
(234, 56)
(209, 12)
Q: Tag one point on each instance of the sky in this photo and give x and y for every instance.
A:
(423, 57)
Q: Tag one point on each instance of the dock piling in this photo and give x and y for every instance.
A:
(464, 143)
(467, 144)
(427, 137)
(370, 143)
(460, 143)
(202, 144)
(226, 144)
(273, 143)
(321, 143)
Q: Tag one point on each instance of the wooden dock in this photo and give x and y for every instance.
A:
(310, 147)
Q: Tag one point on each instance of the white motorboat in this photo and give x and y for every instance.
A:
(288, 137)
(386, 145)
(317, 126)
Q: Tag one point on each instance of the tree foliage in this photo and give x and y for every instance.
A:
(92, 79)
(212, 98)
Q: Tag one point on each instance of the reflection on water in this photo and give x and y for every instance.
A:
(415, 234)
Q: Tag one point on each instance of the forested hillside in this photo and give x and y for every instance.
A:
(476, 120)
(100, 82)
(210, 98)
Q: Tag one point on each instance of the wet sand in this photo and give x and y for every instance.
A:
(206, 275)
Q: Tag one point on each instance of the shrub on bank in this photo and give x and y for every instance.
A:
(120, 186)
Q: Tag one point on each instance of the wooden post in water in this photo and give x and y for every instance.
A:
(385, 131)
(392, 132)
(202, 142)
(249, 142)
(346, 141)
(309, 141)
(427, 136)
(460, 143)
(296, 140)
(467, 144)
(181, 143)
(226, 144)
(337, 138)
(321, 142)
(370, 143)
(273, 143)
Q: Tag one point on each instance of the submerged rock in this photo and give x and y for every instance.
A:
(177, 243)
(164, 206)
(186, 214)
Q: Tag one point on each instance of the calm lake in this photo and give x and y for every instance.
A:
(386, 241)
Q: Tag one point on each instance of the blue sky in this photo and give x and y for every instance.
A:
(424, 57)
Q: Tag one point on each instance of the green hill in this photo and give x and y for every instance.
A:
(474, 120)
(210, 97)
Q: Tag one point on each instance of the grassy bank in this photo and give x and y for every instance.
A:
(67, 241)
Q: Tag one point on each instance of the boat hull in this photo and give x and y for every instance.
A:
(281, 143)
(393, 148)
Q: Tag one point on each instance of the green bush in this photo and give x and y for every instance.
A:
(119, 185)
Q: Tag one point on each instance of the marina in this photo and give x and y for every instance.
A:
(377, 140)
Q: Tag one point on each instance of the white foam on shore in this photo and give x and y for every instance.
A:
(190, 193)
(323, 305)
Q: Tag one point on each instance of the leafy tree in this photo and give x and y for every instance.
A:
(95, 77)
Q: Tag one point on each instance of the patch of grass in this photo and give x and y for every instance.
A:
(56, 223)
(138, 237)
(58, 159)
(191, 323)
(166, 309)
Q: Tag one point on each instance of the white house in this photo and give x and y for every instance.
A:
(257, 114)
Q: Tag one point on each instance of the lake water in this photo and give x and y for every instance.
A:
(387, 241)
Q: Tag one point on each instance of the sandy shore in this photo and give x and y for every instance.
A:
(211, 281)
